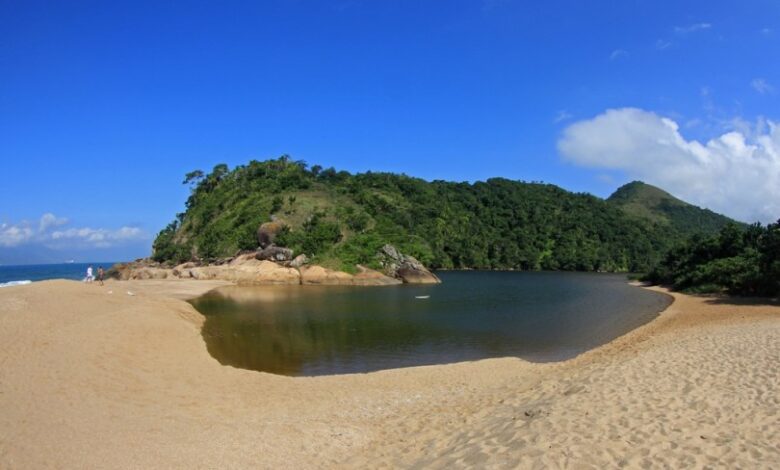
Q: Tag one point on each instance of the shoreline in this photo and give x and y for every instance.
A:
(89, 379)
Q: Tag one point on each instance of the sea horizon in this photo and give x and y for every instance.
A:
(25, 273)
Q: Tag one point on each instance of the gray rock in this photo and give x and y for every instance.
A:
(267, 232)
(406, 268)
(274, 253)
(299, 261)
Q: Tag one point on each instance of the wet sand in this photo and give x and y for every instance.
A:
(90, 379)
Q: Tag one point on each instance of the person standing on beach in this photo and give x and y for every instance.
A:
(90, 277)
(100, 275)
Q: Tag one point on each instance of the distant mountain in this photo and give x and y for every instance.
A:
(341, 220)
(655, 205)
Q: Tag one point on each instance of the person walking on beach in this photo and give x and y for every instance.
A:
(90, 277)
(100, 275)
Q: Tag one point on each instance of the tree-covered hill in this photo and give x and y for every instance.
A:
(341, 219)
(656, 205)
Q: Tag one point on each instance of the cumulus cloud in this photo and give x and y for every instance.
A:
(47, 232)
(14, 235)
(49, 220)
(736, 173)
(762, 86)
(99, 238)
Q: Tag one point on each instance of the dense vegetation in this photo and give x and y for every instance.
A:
(737, 260)
(655, 205)
(342, 219)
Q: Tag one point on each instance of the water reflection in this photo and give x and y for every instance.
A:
(315, 330)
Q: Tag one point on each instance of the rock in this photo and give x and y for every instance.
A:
(267, 232)
(406, 268)
(183, 270)
(249, 272)
(299, 261)
(151, 273)
(317, 275)
(274, 253)
(369, 277)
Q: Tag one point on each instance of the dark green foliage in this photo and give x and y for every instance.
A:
(315, 236)
(165, 249)
(344, 218)
(737, 260)
(655, 205)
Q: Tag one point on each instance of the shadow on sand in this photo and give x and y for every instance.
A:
(740, 301)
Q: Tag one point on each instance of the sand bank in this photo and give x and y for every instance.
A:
(90, 379)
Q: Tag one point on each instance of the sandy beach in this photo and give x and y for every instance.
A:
(92, 379)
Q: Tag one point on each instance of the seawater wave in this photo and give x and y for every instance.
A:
(15, 283)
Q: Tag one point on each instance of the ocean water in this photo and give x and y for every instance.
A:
(23, 274)
(318, 330)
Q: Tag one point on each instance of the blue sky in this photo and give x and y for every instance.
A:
(105, 105)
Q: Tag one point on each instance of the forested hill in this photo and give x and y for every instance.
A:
(656, 205)
(341, 219)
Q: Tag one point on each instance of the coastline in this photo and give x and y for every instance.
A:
(90, 379)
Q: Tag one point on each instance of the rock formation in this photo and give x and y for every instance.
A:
(267, 232)
(404, 267)
(274, 253)
(275, 265)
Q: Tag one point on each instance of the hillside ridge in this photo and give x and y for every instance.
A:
(340, 220)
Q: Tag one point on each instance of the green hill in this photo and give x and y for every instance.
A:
(340, 219)
(657, 206)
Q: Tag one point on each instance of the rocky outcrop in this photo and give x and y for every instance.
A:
(274, 253)
(275, 265)
(317, 275)
(252, 272)
(404, 267)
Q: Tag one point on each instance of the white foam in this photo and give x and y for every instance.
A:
(14, 283)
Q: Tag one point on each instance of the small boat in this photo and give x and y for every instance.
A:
(422, 296)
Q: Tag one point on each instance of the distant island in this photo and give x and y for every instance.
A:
(293, 214)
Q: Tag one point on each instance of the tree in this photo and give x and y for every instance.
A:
(193, 177)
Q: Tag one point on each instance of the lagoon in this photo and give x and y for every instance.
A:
(322, 330)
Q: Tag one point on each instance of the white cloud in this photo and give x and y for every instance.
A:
(562, 115)
(662, 44)
(99, 238)
(736, 173)
(618, 53)
(49, 220)
(762, 86)
(692, 28)
(12, 235)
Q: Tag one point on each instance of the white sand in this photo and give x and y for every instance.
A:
(96, 380)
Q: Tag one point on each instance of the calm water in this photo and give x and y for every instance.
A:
(312, 330)
(40, 272)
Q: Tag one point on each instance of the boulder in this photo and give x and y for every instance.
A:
(267, 232)
(274, 253)
(299, 261)
(404, 267)
(369, 277)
